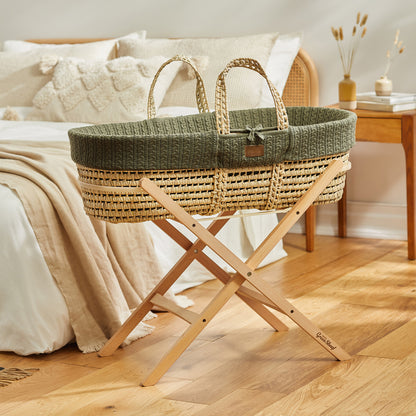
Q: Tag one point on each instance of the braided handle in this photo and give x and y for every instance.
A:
(201, 96)
(221, 110)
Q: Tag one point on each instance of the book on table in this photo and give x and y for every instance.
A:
(374, 106)
(394, 98)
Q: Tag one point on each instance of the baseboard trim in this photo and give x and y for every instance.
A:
(364, 220)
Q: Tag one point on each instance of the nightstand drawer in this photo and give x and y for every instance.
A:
(388, 130)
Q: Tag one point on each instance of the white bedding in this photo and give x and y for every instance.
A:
(33, 315)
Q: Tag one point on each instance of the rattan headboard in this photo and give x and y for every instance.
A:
(302, 86)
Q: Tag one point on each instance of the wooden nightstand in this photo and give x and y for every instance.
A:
(386, 127)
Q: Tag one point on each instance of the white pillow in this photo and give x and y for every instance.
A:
(20, 78)
(80, 50)
(279, 64)
(100, 91)
(243, 86)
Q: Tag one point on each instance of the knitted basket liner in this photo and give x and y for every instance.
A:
(192, 142)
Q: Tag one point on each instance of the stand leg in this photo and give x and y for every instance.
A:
(269, 242)
(317, 334)
(223, 276)
(194, 330)
(295, 213)
(310, 228)
(137, 316)
(161, 288)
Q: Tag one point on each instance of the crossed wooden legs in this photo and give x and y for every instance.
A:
(264, 295)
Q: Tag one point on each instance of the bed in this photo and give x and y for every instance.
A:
(44, 248)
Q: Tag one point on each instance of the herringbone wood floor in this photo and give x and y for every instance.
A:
(361, 292)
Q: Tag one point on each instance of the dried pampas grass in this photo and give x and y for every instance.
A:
(347, 53)
(396, 50)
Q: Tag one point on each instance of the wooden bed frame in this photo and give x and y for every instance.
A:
(302, 89)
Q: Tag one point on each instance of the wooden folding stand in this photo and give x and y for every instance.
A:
(264, 295)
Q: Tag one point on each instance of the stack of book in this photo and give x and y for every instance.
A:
(397, 101)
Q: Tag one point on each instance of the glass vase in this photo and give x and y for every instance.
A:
(347, 93)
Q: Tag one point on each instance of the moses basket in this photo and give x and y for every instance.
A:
(261, 158)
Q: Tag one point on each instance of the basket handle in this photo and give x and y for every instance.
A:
(221, 110)
(200, 94)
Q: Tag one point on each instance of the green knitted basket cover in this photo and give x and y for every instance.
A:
(192, 142)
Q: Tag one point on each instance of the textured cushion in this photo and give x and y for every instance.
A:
(100, 92)
(243, 86)
(20, 78)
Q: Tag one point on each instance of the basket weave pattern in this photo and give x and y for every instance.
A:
(116, 196)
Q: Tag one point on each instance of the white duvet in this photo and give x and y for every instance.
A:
(33, 314)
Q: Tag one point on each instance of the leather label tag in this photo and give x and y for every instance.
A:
(254, 150)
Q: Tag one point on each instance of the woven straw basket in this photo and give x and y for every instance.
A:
(266, 161)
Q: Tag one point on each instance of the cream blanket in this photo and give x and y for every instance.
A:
(103, 270)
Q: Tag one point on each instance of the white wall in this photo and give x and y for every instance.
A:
(377, 182)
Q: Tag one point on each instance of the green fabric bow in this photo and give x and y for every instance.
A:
(255, 131)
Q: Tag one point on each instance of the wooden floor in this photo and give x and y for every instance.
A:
(361, 292)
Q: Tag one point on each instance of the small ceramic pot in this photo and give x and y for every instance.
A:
(383, 86)
(347, 93)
